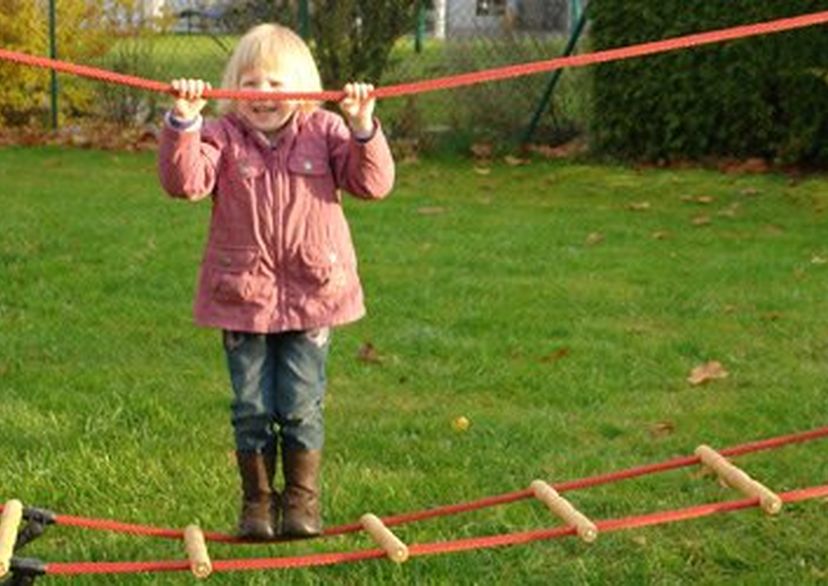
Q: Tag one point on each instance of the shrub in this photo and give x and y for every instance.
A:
(352, 39)
(746, 98)
(132, 55)
(24, 93)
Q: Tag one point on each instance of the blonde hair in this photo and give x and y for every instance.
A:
(272, 46)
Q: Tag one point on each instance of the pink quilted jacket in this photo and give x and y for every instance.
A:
(279, 254)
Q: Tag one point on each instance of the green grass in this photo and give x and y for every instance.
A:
(114, 405)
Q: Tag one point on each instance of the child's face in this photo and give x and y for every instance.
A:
(264, 115)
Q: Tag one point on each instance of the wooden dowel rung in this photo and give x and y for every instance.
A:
(9, 525)
(394, 548)
(587, 530)
(738, 479)
(196, 547)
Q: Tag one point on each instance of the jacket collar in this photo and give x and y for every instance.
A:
(284, 137)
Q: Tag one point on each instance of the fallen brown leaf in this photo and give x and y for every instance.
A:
(662, 429)
(594, 238)
(730, 211)
(701, 220)
(368, 353)
(482, 150)
(702, 199)
(573, 147)
(482, 170)
(514, 161)
(555, 355)
(706, 372)
(639, 206)
(752, 165)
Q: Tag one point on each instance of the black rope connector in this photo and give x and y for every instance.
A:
(37, 521)
(24, 571)
(42, 516)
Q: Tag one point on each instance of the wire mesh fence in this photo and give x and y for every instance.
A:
(165, 39)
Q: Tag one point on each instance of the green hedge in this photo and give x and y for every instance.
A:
(764, 96)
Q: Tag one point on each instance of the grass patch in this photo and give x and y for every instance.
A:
(545, 302)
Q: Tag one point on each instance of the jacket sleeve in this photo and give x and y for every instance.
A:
(364, 168)
(188, 160)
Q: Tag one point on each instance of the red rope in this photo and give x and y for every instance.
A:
(679, 462)
(453, 81)
(423, 549)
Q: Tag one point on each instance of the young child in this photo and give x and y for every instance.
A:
(279, 269)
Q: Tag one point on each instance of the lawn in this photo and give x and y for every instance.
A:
(559, 306)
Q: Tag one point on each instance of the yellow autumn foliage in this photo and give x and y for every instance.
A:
(83, 33)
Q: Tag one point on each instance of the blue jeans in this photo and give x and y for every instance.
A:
(279, 387)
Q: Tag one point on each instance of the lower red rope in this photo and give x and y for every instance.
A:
(453, 81)
(325, 559)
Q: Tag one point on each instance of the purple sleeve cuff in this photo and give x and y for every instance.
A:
(183, 125)
(366, 137)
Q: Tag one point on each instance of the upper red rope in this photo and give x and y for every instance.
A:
(452, 81)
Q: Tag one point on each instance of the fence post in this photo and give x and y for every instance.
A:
(304, 19)
(53, 55)
(575, 10)
(421, 21)
(553, 79)
(440, 19)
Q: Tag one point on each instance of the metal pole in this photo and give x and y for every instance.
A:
(553, 80)
(421, 20)
(304, 19)
(575, 10)
(53, 55)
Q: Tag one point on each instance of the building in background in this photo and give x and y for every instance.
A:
(454, 18)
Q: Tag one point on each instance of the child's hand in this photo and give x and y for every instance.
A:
(358, 107)
(188, 102)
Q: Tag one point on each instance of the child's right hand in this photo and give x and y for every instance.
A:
(188, 102)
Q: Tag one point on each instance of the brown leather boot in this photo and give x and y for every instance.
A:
(300, 500)
(257, 520)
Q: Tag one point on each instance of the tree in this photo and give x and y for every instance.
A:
(352, 39)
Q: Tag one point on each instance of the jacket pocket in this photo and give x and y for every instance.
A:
(324, 271)
(234, 277)
(311, 174)
(309, 163)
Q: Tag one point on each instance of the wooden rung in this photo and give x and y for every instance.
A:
(9, 525)
(586, 529)
(738, 479)
(394, 548)
(196, 547)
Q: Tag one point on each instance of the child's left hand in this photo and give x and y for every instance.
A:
(358, 107)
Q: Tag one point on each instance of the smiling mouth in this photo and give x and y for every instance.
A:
(264, 109)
